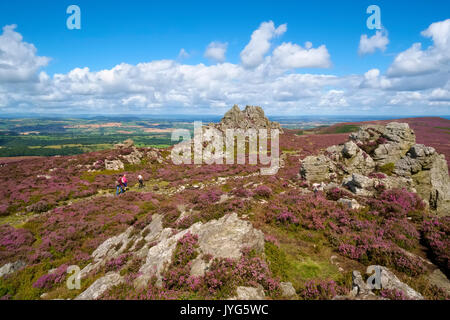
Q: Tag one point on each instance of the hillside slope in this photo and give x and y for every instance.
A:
(218, 231)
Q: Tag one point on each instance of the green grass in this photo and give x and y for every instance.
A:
(387, 168)
(346, 128)
(291, 264)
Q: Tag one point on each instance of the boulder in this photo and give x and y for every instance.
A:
(249, 293)
(359, 184)
(114, 165)
(316, 168)
(134, 157)
(349, 203)
(429, 172)
(287, 290)
(350, 149)
(100, 286)
(11, 267)
(390, 281)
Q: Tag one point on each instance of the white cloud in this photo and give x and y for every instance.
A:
(216, 51)
(369, 45)
(334, 98)
(18, 59)
(416, 61)
(289, 55)
(169, 86)
(254, 52)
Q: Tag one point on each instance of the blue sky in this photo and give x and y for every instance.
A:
(134, 32)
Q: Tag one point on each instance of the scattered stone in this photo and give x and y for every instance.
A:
(288, 290)
(249, 293)
(349, 203)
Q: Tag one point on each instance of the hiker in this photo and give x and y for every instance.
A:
(119, 188)
(141, 181)
(315, 188)
(124, 182)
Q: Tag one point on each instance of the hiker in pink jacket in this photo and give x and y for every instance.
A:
(124, 180)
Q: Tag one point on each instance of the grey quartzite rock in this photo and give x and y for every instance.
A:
(11, 267)
(100, 286)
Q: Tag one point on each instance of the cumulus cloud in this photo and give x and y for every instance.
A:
(254, 52)
(158, 85)
(289, 55)
(216, 51)
(369, 45)
(416, 61)
(18, 59)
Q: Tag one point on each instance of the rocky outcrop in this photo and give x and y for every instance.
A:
(11, 267)
(365, 186)
(335, 161)
(222, 238)
(389, 281)
(252, 117)
(317, 168)
(133, 156)
(415, 167)
(391, 142)
(126, 144)
(114, 165)
(100, 286)
(429, 171)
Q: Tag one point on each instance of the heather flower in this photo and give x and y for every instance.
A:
(263, 191)
(321, 290)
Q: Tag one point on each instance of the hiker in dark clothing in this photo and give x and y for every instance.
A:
(141, 181)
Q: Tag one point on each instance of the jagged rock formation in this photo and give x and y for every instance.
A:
(252, 117)
(132, 156)
(429, 171)
(414, 166)
(114, 165)
(389, 281)
(222, 238)
(392, 141)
